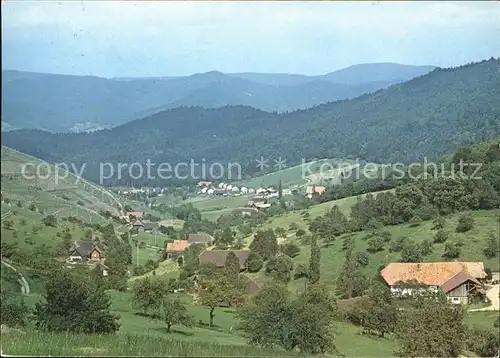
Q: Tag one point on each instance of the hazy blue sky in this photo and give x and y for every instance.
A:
(179, 38)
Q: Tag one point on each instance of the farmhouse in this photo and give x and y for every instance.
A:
(176, 248)
(200, 238)
(457, 280)
(218, 257)
(315, 190)
(144, 225)
(206, 184)
(85, 251)
(135, 214)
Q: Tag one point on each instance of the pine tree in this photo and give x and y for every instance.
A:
(232, 264)
(314, 270)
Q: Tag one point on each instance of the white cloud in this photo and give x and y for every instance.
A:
(293, 34)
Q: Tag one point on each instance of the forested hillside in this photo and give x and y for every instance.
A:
(425, 117)
(75, 103)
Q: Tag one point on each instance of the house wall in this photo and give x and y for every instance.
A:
(458, 295)
(410, 291)
(95, 255)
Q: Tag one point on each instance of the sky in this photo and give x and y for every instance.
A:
(170, 38)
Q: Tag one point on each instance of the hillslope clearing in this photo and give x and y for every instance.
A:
(51, 190)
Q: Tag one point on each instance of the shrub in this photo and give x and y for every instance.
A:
(290, 249)
(465, 223)
(375, 244)
(362, 258)
(451, 251)
(255, 262)
(425, 247)
(7, 224)
(398, 244)
(50, 220)
(492, 247)
(300, 233)
(415, 221)
(293, 226)
(411, 252)
(440, 237)
(439, 223)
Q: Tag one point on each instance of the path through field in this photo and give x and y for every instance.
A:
(492, 295)
(25, 287)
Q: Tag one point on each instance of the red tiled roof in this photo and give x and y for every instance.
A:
(177, 246)
(218, 257)
(429, 273)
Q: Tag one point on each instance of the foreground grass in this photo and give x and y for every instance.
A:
(60, 344)
(485, 319)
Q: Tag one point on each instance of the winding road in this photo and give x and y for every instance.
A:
(25, 287)
(493, 295)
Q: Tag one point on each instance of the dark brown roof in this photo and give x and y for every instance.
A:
(138, 222)
(150, 226)
(348, 303)
(457, 280)
(251, 286)
(218, 257)
(85, 248)
(200, 238)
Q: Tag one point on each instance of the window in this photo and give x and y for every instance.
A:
(456, 299)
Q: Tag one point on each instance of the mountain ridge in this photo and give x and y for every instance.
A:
(61, 103)
(424, 117)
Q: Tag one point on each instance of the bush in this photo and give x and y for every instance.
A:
(425, 247)
(451, 251)
(254, 262)
(415, 221)
(482, 341)
(280, 268)
(7, 224)
(290, 249)
(465, 223)
(411, 252)
(375, 244)
(439, 223)
(386, 235)
(32, 207)
(362, 258)
(293, 226)
(492, 247)
(300, 233)
(74, 302)
(398, 244)
(440, 237)
(50, 220)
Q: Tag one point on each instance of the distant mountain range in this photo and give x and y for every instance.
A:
(62, 103)
(425, 117)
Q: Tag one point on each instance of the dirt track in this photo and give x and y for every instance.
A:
(492, 295)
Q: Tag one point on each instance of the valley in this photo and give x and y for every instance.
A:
(292, 227)
(250, 179)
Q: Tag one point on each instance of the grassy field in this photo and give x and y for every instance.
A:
(332, 256)
(28, 231)
(294, 176)
(141, 335)
(297, 217)
(212, 208)
(46, 344)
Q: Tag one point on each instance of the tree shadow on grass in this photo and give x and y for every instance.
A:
(173, 330)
